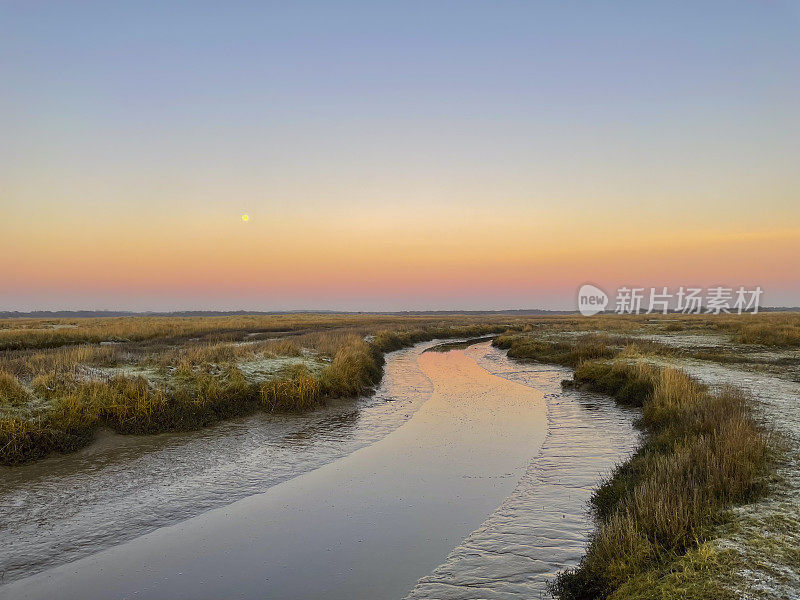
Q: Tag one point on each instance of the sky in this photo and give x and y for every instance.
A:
(394, 155)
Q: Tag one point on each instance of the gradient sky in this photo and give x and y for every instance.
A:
(419, 155)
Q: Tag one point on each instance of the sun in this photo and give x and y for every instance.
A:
(245, 218)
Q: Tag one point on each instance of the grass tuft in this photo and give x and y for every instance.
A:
(11, 391)
(587, 347)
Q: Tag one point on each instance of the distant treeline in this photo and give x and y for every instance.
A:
(91, 314)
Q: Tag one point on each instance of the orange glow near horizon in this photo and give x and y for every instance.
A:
(333, 264)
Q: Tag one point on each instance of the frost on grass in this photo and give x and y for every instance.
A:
(87, 373)
(759, 542)
(263, 369)
(765, 535)
(766, 538)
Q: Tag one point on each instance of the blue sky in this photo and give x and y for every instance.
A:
(131, 115)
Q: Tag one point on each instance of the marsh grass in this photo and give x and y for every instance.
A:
(628, 382)
(569, 353)
(34, 333)
(703, 573)
(31, 363)
(60, 379)
(55, 398)
(777, 329)
(11, 391)
(356, 367)
(781, 334)
(299, 391)
(702, 452)
(203, 352)
(19, 334)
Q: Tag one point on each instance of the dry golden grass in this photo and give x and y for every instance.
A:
(781, 330)
(703, 452)
(11, 391)
(57, 386)
(298, 392)
(34, 333)
(39, 333)
(30, 363)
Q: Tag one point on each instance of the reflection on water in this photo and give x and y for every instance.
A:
(364, 527)
(65, 508)
(543, 526)
(61, 509)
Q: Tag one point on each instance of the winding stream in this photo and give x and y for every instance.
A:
(61, 509)
(390, 495)
(542, 527)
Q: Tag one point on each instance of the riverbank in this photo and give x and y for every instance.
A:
(703, 452)
(56, 391)
(762, 538)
